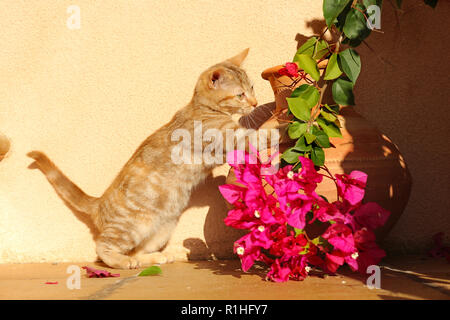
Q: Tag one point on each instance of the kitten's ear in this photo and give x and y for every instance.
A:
(215, 78)
(237, 60)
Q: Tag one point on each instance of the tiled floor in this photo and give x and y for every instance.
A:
(401, 278)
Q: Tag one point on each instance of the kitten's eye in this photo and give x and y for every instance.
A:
(241, 95)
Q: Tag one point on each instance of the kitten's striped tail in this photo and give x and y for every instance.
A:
(66, 189)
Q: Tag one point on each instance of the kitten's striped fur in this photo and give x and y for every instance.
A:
(136, 215)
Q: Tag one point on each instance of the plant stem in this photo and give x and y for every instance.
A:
(324, 167)
(315, 112)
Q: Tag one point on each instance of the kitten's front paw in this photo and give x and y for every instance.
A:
(235, 117)
(149, 259)
(176, 254)
(133, 263)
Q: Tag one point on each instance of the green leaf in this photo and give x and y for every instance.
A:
(355, 26)
(290, 155)
(321, 138)
(299, 231)
(343, 92)
(352, 42)
(308, 64)
(350, 62)
(333, 71)
(333, 108)
(299, 108)
(340, 20)
(332, 8)
(431, 3)
(297, 129)
(368, 3)
(309, 93)
(318, 156)
(318, 241)
(309, 138)
(320, 49)
(307, 48)
(301, 145)
(331, 129)
(151, 271)
(328, 116)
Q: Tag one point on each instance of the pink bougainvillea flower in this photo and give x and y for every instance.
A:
(289, 246)
(364, 239)
(341, 237)
(368, 251)
(297, 217)
(276, 220)
(298, 265)
(369, 257)
(249, 246)
(247, 253)
(351, 187)
(247, 218)
(232, 193)
(278, 273)
(96, 273)
(290, 69)
(352, 261)
(240, 219)
(333, 261)
(329, 211)
(308, 171)
(371, 215)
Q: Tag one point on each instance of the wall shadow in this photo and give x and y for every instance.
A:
(219, 238)
(390, 95)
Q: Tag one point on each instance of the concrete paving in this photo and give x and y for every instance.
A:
(401, 278)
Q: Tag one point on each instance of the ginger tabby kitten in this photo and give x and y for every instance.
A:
(137, 214)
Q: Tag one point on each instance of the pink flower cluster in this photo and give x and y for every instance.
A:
(278, 220)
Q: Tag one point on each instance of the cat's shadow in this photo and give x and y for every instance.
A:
(218, 238)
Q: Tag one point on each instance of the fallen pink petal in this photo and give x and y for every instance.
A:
(96, 273)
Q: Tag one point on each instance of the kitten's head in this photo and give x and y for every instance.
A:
(225, 87)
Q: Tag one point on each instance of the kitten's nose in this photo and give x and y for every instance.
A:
(253, 102)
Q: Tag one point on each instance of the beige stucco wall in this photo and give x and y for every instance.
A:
(88, 98)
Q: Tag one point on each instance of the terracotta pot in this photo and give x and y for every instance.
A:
(362, 147)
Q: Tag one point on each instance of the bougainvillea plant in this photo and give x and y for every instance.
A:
(280, 209)
(277, 209)
(350, 22)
